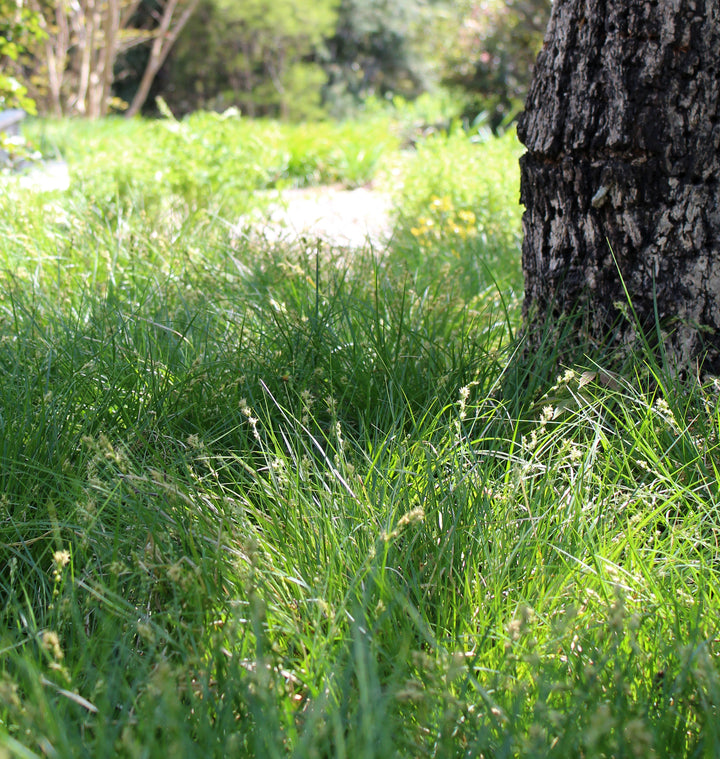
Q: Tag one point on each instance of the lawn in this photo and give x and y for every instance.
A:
(285, 501)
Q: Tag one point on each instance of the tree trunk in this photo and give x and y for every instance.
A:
(111, 23)
(621, 178)
(165, 37)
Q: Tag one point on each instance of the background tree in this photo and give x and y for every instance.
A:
(297, 59)
(170, 17)
(621, 180)
(260, 55)
(375, 50)
(491, 57)
(73, 70)
(228, 54)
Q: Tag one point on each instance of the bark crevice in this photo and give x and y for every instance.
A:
(620, 181)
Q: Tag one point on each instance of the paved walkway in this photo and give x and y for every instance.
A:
(340, 217)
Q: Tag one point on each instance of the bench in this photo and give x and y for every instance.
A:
(9, 127)
(10, 121)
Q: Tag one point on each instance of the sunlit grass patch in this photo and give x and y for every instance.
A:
(286, 501)
(459, 208)
(207, 161)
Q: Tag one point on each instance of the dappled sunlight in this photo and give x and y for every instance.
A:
(287, 495)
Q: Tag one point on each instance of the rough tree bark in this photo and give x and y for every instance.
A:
(621, 181)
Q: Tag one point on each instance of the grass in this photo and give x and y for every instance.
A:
(211, 162)
(273, 502)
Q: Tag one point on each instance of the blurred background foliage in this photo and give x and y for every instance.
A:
(491, 56)
(301, 59)
(19, 28)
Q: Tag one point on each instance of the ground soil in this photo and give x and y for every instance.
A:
(338, 216)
